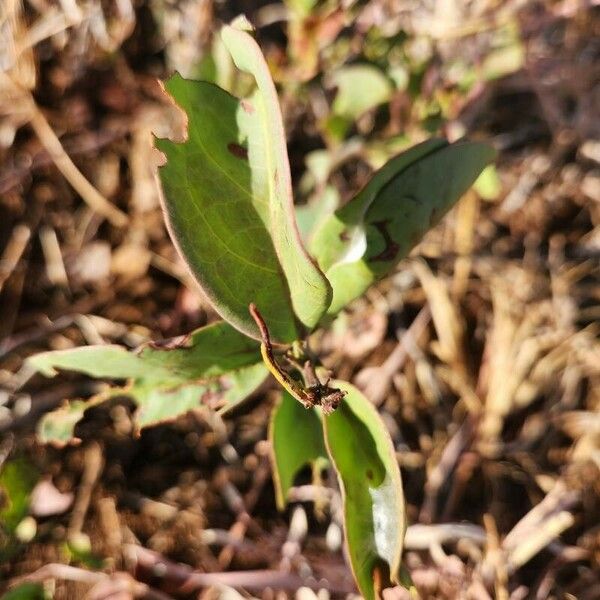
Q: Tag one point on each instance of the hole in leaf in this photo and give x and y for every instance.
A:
(237, 150)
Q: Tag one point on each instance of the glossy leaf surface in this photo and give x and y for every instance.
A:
(374, 520)
(296, 437)
(365, 239)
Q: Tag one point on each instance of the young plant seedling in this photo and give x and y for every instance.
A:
(230, 212)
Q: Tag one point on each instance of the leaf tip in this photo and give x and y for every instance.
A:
(242, 23)
(37, 364)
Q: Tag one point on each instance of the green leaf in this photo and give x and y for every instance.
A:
(229, 205)
(218, 223)
(17, 480)
(296, 437)
(374, 517)
(222, 393)
(26, 591)
(215, 366)
(365, 239)
(309, 216)
(206, 352)
(359, 88)
(318, 164)
(271, 180)
(159, 403)
(488, 184)
(58, 426)
(343, 233)
(109, 360)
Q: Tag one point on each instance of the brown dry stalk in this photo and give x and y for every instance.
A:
(239, 528)
(72, 174)
(26, 106)
(439, 474)
(541, 525)
(446, 320)
(92, 469)
(188, 579)
(467, 213)
(112, 584)
(495, 558)
(375, 382)
(14, 250)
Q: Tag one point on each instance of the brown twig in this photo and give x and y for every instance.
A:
(189, 580)
(239, 528)
(92, 469)
(541, 525)
(119, 581)
(71, 173)
(86, 143)
(13, 251)
(421, 537)
(10, 344)
(375, 381)
(440, 473)
(59, 571)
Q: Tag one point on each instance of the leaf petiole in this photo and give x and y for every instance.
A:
(312, 395)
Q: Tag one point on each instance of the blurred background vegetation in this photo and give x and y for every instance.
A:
(482, 352)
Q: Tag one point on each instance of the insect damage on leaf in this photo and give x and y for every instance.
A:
(247, 106)
(174, 343)
(238, 150)
(314, 393)
(391, 247)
